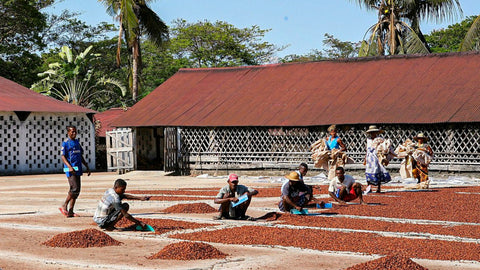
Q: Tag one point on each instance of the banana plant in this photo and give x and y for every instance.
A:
(72, 79)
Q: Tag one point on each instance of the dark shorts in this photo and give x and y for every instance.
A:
(75, 186)
(111, 219)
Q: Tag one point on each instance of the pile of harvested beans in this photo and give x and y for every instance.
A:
(449, 204)
(388, 262)
(188, 251)
(199, 208)
(82, 239)
(369, 243)
(179, 198)
(377, 225)
(164, 225)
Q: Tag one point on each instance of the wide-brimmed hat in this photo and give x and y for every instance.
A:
(293, 176)
(373, 128)
(420, 136)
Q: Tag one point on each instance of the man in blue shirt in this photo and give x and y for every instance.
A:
(72, 157)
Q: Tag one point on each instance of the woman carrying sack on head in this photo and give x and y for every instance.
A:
(422, 156)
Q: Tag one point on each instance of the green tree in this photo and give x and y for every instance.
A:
(335, 49)
(66, 29)
(219, 44)
(136, 18)
(392, 34)
(471, 42)
(339, 49)
(449, 39)
(158, 65)
(20, 26)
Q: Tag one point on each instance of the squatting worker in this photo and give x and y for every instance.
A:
(295, 194)
(72, 157)
(229, 194)
(110, 208)
(343, 188)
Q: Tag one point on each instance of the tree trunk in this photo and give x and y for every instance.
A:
(135, 69)
(393, 45)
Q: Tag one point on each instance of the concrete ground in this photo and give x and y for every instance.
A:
(29, 216)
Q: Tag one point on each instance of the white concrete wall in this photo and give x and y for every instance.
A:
(33, 146)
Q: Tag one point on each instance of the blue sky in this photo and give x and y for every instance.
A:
(300, 24)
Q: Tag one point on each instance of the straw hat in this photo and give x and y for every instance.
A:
(293, 176)
(373, 128)
(420, 136)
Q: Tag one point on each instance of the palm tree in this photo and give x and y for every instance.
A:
(136, 18)
(393, 33)
(471, 42)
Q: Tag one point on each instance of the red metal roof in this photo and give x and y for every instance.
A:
(14, 97)
(437, 88)
(105, 118)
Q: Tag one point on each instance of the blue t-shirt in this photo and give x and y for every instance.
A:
(73, 152)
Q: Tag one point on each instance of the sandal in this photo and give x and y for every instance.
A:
(63, 211)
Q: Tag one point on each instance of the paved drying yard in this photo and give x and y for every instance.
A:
(438, 229)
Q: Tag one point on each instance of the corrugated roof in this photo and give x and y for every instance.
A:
(105, 118)
(14, 97)
(437, 88)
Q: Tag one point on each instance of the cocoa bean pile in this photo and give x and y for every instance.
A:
(472, 231)
(190, 208)
(163, 225)
(271, 216)
(190, 192)
(178, 198)
(450, 204)
(188, 251)
(368, 243)
(82, 239)
(388, 262)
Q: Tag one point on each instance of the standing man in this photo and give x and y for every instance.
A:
(72, 157)
(344, 189)
(228, 195)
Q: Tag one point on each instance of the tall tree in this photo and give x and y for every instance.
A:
(20, 26)
(392, 34)
(136, 18)
(220, 44)
(335, 49)
(65, 29)
(471, 42)
(449, 39)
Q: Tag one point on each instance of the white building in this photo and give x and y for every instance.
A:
(32, 128)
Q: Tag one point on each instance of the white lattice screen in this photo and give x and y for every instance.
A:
(456, 147)
(33, 146)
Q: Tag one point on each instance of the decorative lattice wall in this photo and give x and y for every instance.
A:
(456, 147)
(33, 145)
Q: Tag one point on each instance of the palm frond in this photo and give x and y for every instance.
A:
(413, 43)
(114, 82)
(155, 28)
(129, 21)
(436, 10)
(471, 42)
